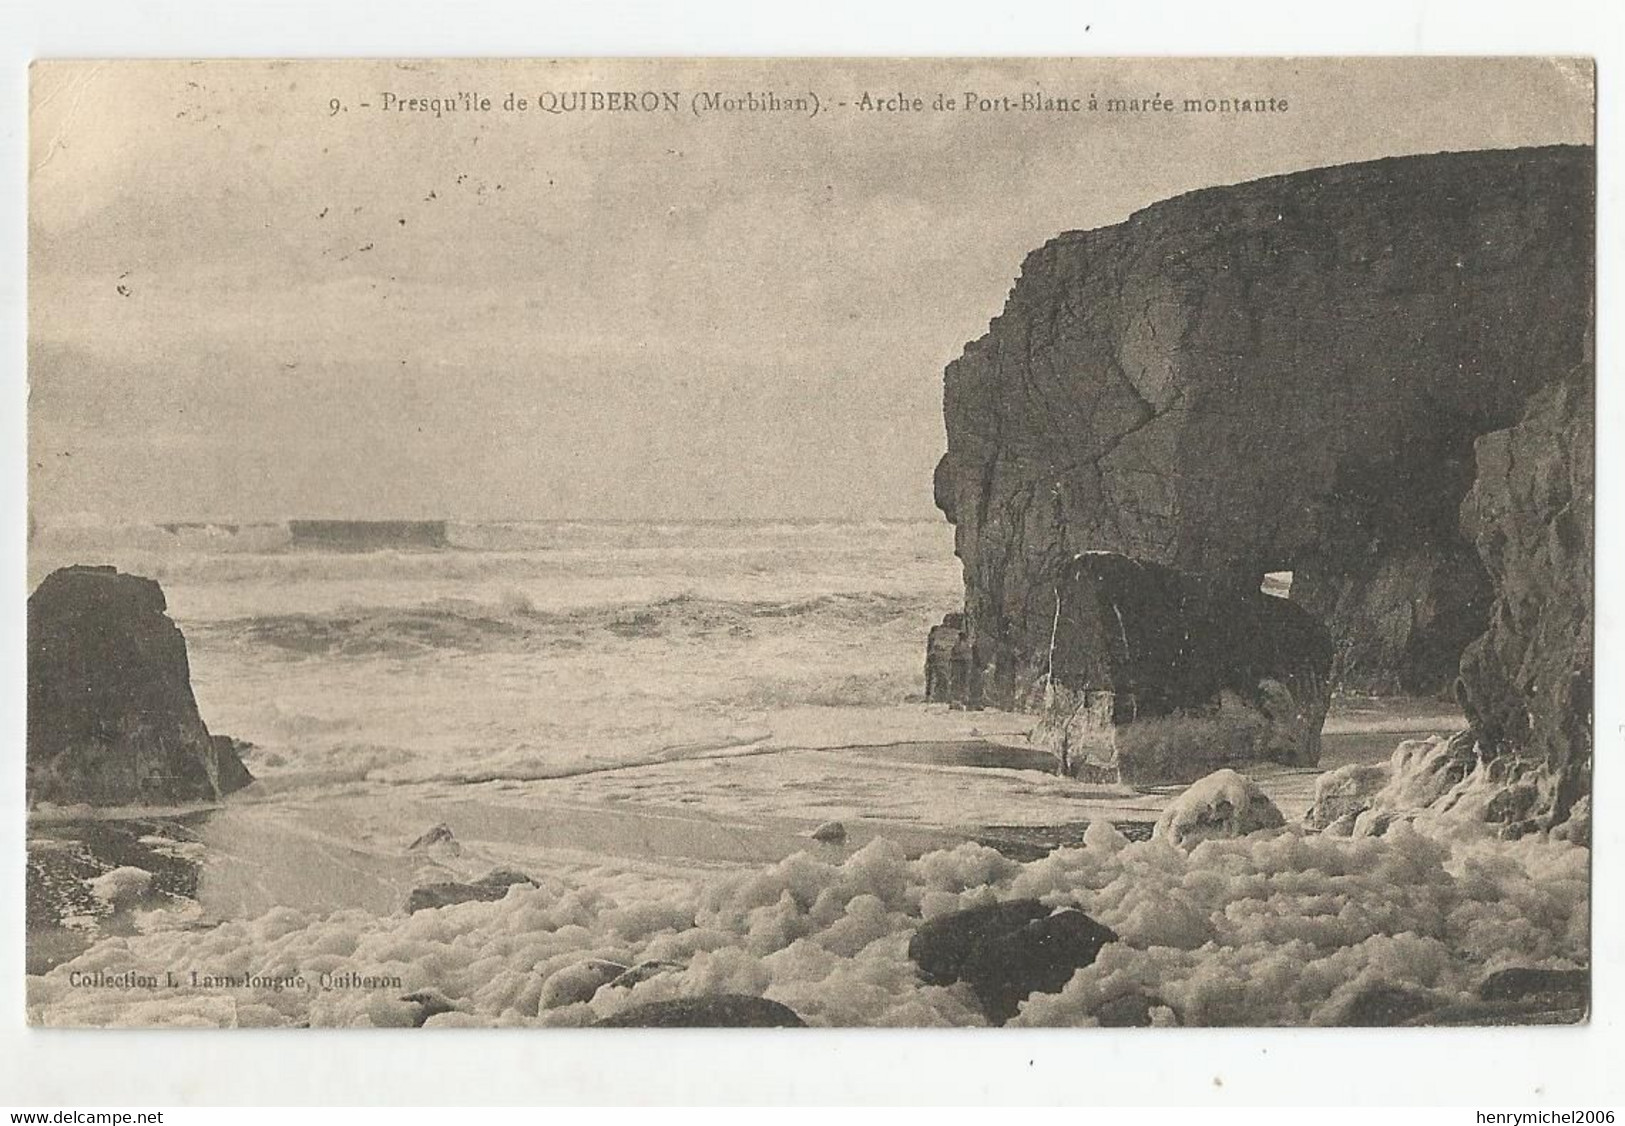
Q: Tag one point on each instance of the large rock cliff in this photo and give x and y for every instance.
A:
(1288, 374)
(111, 716)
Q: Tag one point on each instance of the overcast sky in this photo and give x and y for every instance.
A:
(244, 308)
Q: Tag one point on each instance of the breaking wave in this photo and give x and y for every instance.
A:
(512, 622)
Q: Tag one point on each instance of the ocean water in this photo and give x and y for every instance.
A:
(524, 651)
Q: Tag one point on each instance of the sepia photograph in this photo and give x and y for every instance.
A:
(1094, 543)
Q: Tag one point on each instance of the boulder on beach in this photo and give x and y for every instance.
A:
(1520, 983)
(1038, 957)
(1520, 995)
(111, 715)
(643, 971)
(1343, 794)
(578, 981)
(426, 1004)
(1380, 1005)
(1577, 828)
(1008, 951)
(723, 1010)
(430, 897)
(506, 878)
(1222, 805)
(941, 946)
(487, 889)
(830, 832)
(121, 887)
(1132, 1010)
(1157, 676)
(440, 837)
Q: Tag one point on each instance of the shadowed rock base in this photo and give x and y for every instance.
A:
(1155, 676)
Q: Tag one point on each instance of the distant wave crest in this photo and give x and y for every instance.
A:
(86, 531)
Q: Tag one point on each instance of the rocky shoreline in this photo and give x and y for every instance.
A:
(1375, 376)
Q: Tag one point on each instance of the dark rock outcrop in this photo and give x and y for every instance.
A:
(1503, 1014)
(1521, 983)
(1526, 685)
(1008, 951)
(440, 836)
(231, 774)
(953, 667)
(1521, 995)
(111, 716)
(1157, 676)
(830, 832)
(725, 1010)
(1381, 1005)
(431, 897)
(1283, 375)
(940, 674)
(487, 889)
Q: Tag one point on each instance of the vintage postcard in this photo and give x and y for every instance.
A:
(828, 543)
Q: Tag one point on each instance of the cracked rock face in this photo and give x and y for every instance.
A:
(1283, 375)
(111, 716)
(1526, 685)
